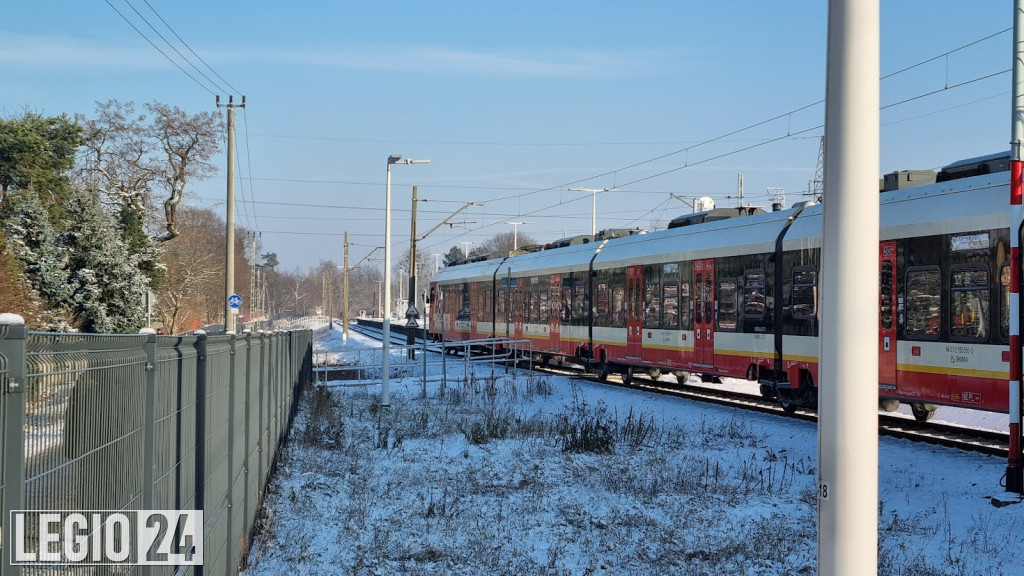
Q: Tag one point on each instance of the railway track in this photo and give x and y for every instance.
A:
(935, 433)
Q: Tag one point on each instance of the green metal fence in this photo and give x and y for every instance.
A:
(111, 422)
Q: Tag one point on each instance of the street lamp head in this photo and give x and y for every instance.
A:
(411, 161)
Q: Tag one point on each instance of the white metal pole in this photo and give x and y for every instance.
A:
(848, 447)
(848, 369)
(1014, 466)
(593, 213)
(385, 385)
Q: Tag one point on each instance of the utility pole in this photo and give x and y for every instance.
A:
(848, 369)
(1015, 463)
(739, 187)
(344, 294)
(229, 264)
(411, 313)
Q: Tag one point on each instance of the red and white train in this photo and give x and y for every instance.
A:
(738, 297)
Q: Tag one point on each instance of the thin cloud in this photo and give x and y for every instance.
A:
(62, 52)
(434, 60)
(66, 52)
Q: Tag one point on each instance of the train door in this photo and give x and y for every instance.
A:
(634, 310)
(476, 309)
(886, 322)
(517, 308)
(704, 312)
(555, 310)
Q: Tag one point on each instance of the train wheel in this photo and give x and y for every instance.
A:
(923, 412)
(681, 377)
(603, 370)
(627, 376)
(654, 373)
(889, 404)
(785, 398)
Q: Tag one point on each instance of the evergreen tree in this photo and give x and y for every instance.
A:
(35, 244)
(104, 274)
(132, 226)
(453, 255)
(37, 152)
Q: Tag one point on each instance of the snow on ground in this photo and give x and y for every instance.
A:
(527, 474)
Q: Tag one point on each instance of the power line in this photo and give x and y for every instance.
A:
(200, 58)
(169, 59)
(248, 159)
(166, 41)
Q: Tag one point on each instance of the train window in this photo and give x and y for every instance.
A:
(708, 299)
(969, 301)
(670, 307)
(566, 310)
(753, 294)
(464, 303)
(804, 296)
(652, 305)
(499, 305)
(579, 304)
(924, 303)
(684, 306)
(727, 304)
(542, 310)
(885, 295)
(618, 307)
(488, 305)
(1004, 302)
(602, 298)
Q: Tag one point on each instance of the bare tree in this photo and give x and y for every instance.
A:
(188, 142)
(126, 154)
(503, 243)
(117, 156)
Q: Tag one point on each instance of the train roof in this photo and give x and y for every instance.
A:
(573, 258)
(470, 272)
(750, 234)
(963, 205)
(971, 204)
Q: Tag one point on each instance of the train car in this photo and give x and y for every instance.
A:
(462, 302)
(740, 297)
(548, 300)
(694, 299)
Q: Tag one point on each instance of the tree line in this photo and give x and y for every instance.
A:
(92, 222)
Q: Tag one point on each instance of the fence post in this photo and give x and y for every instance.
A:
(13, 335)
(149, 427)
(200, 458)
(246, 463)
(230, 492)
(261, 424)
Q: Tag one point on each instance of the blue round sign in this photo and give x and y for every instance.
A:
(234, 301)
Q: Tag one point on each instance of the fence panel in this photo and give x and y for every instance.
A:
(130, 422)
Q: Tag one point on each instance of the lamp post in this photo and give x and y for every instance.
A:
(515, 233)
(467, 244)
(593, 204)
(385, 390)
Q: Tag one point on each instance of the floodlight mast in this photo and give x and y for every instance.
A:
(593, 204)
(385, 392)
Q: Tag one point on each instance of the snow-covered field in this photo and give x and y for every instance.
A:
(528, 474)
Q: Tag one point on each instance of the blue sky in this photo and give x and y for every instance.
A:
(513, 103)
